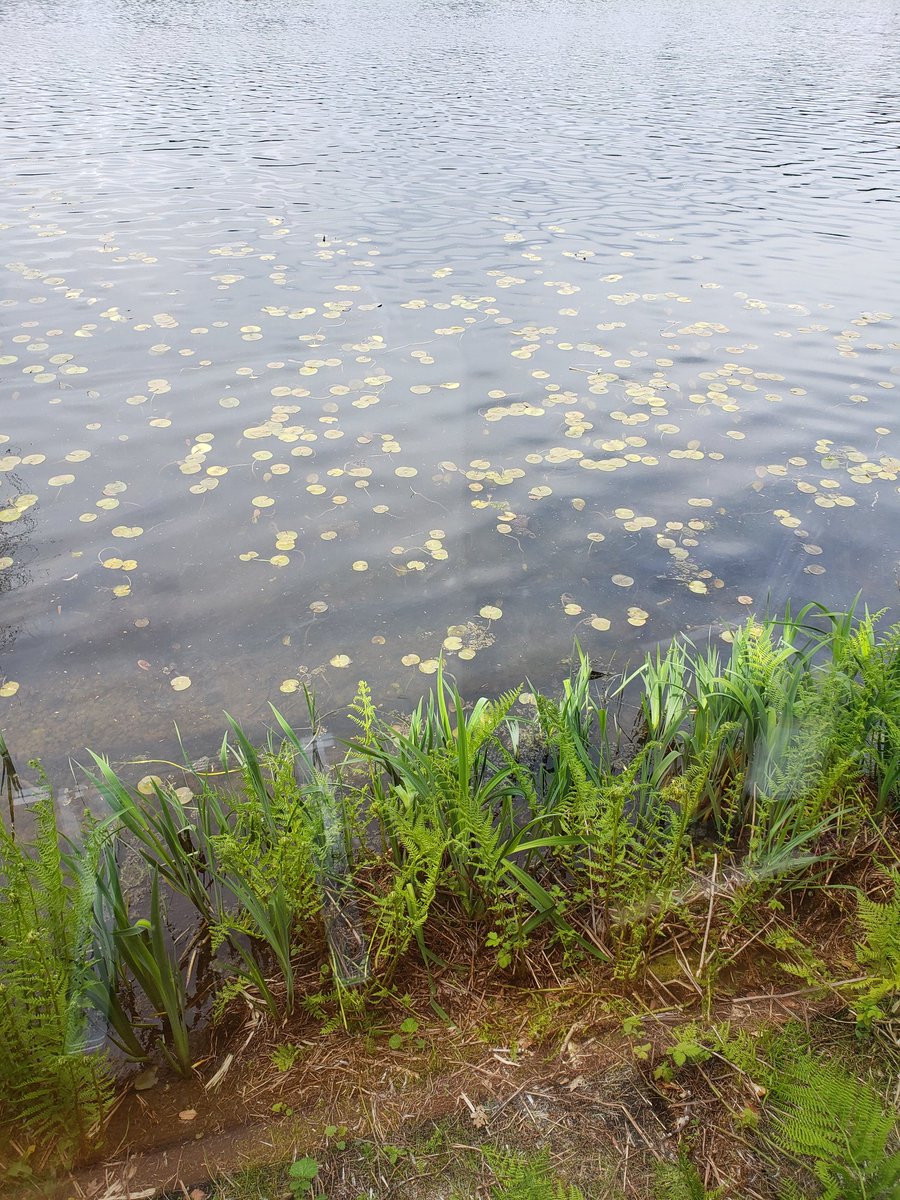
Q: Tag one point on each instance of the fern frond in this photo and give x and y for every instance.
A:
(52, 1088)
(823, 1113)
(880, 947)
(680, 1180)
(527, 1177)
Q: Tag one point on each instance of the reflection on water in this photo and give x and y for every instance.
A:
(15, 550)
(334, 340)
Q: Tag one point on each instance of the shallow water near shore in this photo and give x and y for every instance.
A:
(335, 339)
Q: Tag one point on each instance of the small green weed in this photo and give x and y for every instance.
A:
(283, 1057)
(406, 1035)
(690, 1047)
(336, 1136)
(302, 1176)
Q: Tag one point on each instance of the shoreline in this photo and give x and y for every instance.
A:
(472, 888)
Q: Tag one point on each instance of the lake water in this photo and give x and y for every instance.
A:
(330, 332)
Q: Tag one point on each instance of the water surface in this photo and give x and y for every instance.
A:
(336, 336)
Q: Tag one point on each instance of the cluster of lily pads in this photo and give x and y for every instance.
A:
(350, 443)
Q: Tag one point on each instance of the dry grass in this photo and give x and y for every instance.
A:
(523, 1065)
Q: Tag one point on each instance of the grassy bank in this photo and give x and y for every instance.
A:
(541, 850)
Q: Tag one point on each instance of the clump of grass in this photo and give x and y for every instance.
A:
(141, 947)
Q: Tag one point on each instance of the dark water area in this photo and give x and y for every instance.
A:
(337, 337)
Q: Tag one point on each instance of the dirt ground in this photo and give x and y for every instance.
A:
(409, 1105)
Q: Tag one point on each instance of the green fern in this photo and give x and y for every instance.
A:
(226, 995)
(271, 859)
(681, 1181)
(361, 711)
(876, 999)
(790, 1190)
(356, 794)
(54, 1090)
(822, 1113)
(873, 660)
(588, 804)
(285, 1055)
(527, 1177)
(402, 908)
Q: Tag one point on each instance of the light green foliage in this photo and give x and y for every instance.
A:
(803, 961)
(445, 798)
(880, 924)
(408, 1028)
(527, 1177)
(798, 715)
(790, 1190)
(418, 844)
(336, 1136)
(269, 855)
(823, 1114)
(588, 803)
(532, 829)
(358, 786)
(302, 1176)
(167, 836)
(442, 772)
(251, 862)
(689, 1047)
(284, 1056)
(54, 1090)
(877, 997)
(871, 658)
(530, 832)
(751, 1052)
(681, 1181)
(337, 1006)
(628, 829)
